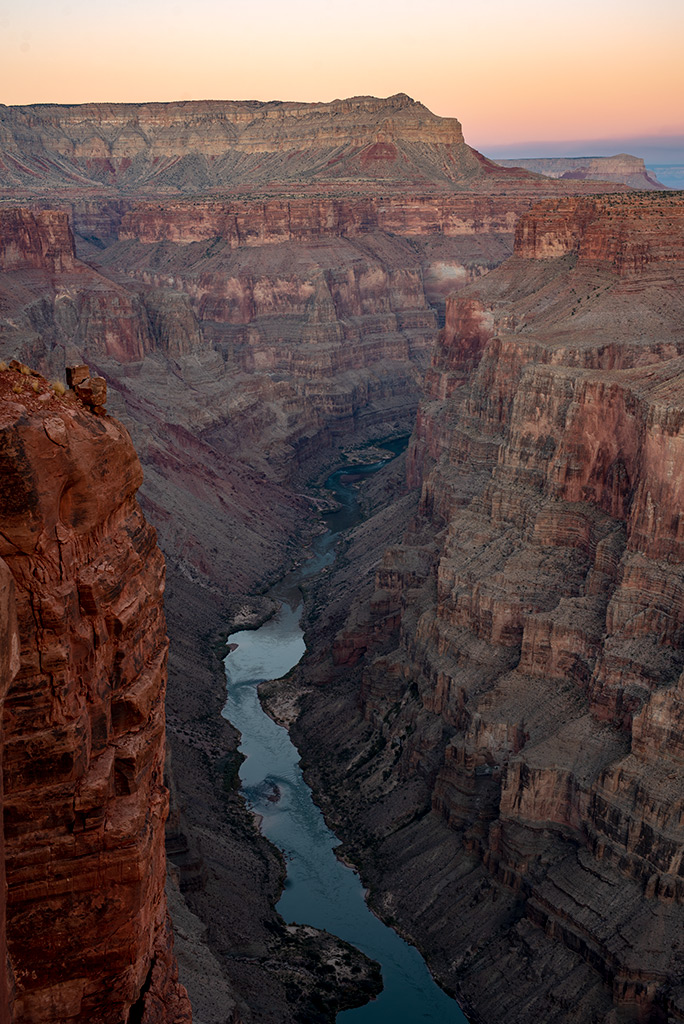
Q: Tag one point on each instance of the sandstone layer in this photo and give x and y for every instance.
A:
(507, 769)
(83, 747)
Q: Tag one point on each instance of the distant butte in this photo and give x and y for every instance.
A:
(623, 168)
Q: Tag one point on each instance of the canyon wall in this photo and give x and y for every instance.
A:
(84, 675)
(260, 345)
(508, 771)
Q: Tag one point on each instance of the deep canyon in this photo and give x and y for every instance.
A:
(490, 711)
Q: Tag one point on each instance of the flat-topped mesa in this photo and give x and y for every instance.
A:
(200, 146)
(630, 170)
(83, 751)
(120, 130)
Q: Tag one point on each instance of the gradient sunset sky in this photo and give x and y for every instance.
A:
(509, 71)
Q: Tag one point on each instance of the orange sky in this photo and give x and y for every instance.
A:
(508, 71)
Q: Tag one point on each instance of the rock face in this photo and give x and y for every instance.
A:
(83, 672)
(529, 684)
(630, 170)
(40, 241)
(9, 666)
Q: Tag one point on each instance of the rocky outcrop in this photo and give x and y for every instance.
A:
(629, 170)
(83, 746)
(527, 678)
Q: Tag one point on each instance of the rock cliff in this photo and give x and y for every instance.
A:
(508, 772)
(84, 675)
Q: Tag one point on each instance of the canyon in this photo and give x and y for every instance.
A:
(491, 721)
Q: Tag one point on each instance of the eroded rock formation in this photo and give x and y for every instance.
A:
(84, 674)
(515, 761)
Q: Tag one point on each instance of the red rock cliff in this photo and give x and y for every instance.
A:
(83, 750)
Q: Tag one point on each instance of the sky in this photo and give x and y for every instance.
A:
(512, 71)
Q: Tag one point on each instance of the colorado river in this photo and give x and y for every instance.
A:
(319, 889)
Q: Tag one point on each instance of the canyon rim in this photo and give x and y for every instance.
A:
(490, 712)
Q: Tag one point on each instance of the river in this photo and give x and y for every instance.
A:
(319, 889)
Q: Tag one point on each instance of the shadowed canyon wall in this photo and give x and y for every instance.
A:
(510, 761)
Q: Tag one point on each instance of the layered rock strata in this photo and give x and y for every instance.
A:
(83, 748)
(211, 144)
(243, 342)
(513, 758)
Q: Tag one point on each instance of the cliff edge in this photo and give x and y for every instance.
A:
(84, 801)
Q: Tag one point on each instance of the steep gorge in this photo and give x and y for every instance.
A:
(245, 339)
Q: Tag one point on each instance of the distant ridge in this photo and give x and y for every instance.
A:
(629, 170)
